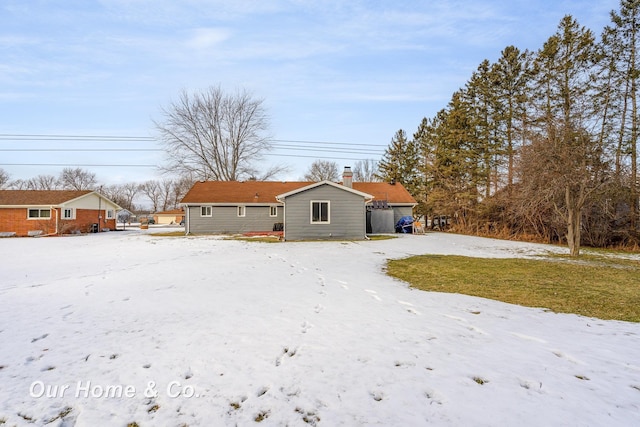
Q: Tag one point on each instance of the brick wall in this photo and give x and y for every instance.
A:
(15, 220)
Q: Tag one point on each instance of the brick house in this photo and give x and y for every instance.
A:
(50, 212)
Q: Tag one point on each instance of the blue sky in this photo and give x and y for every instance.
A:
(343, 71)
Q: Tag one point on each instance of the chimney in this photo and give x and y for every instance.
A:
(347, 177)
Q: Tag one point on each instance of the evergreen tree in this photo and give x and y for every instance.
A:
(400, 163)
(511, 78)
(621, 45)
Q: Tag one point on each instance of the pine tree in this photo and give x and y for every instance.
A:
(621, 48)
(400, 163)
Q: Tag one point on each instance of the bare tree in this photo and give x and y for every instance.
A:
(365, 171)
(152, 190)
(213, 135)
(44, 182)
(18, 184)
(180, 188)
(321, 170)
(122, 194)
(4, 178)
(166, 193)
(77, 179)
(40, 182)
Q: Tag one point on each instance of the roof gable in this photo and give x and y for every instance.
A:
(319, 184)
(47, 197)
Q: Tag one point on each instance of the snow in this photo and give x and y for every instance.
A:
(125, 327)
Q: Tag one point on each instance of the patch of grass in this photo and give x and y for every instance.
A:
(168, 234)
(480, 380)
(381, 236)
(259, 239)
(261, 416)
(603, 287)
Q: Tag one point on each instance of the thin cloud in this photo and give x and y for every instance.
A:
(204, 38)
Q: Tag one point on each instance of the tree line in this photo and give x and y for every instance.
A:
(159, 195)
(538, 145)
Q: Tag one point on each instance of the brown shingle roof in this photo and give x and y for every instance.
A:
(38, 197)
(393, 193)
(247, 192)
(239, 192)
(171, 212)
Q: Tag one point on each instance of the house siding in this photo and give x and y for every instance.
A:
(15, 220)
(83, 221)
(225, 220)
(347, 215)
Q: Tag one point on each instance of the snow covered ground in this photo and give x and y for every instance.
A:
(125, 327)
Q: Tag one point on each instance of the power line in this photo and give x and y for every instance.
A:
(51, 137)
(127, 138)
(77, 165)
(32, 150)
(316, 157)
(326, 143)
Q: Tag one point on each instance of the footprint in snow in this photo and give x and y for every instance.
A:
(41, 337)
(377, 395)
(286, 352)
(306, 326)
(373, 294)
(318, 308)
(528, 337)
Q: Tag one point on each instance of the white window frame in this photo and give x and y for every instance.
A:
(242, 211)
(273, 211)
(39, 217)
(206, 211)
(72, 213)
(311, 203)
(111, 214)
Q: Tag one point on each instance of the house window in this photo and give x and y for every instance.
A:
(68, 213)
(39, 213)
(273, 211)
(320, 212)
(241, 211)
(110, 214)
(205, 211)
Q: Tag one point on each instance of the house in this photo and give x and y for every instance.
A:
(303, 210)
(325, 210)
(174, 216)
(49, 212)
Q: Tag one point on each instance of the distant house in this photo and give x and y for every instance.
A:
(174, 216)
(35, 212)
(302, 210)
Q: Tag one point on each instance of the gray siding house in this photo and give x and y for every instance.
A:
(325, 210)
(303, 210)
